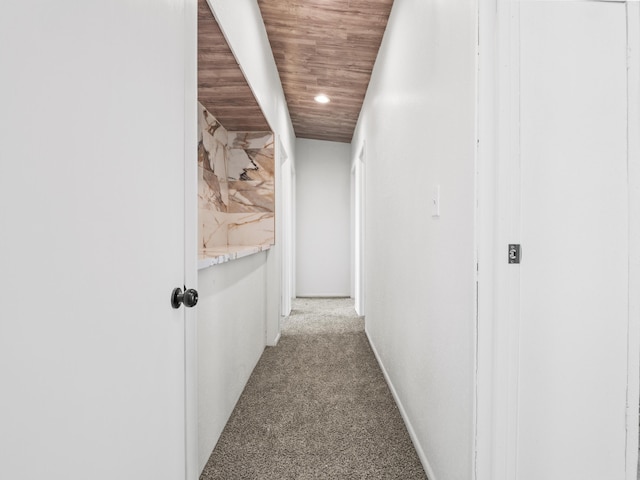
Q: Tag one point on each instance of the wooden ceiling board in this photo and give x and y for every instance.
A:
(222, 87)
(325, 46)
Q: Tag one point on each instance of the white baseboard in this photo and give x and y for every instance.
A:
(412, 434)
(323, 295)
(274, 342)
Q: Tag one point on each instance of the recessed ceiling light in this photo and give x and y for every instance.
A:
(322, 98)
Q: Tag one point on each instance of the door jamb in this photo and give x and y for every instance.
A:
(359, 228)
(190, 46)
(485, 170)
(633, 169)
(285, 233)
(497, 212)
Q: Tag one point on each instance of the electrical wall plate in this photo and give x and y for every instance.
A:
(435, 201)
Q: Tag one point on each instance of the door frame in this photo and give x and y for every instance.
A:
(633, 158)
(287, 238)
(190, 234)
(358, 205)
(497, 225)
(497, 208)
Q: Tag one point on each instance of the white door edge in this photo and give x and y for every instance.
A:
(633, 156)
(190, 234)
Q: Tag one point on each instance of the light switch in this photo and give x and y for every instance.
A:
(435, 201)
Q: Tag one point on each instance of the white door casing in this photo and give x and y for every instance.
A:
(633, 158)
(92, 165)
(286, 227)
(360, 208)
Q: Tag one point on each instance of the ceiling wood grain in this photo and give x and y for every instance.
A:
(325, 46)
(222, 87)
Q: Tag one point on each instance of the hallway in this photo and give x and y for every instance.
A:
(316, 406)
(174, 174)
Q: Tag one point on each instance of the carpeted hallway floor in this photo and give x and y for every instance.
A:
(316, 407)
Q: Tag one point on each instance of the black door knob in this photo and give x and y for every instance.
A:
(189, 297)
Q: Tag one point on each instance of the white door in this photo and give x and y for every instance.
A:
(92, 355)
(574, 284)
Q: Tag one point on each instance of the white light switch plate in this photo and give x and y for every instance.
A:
(435, 201)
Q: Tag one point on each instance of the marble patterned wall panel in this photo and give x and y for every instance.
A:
(213, 187)
(238, 163)
(263, 159)
(236, 187)
(251, 196)
(212, 144)
(247, 165)
(250, 172)
(250, 140)
(251, 156)
(213, 229)
(212, 193)
(251, 228)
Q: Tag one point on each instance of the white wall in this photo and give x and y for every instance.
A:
(231, 326)
(239, 310)
(418, 122)
(323, 235)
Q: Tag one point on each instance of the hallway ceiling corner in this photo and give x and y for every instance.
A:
(329, 47)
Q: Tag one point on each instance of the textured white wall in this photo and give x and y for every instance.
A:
(231, 323)
(418, 122)
(323, 183)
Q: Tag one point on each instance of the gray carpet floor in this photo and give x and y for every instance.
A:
(316, 407)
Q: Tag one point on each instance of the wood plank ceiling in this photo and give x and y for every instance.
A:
(325, 46)
(222, 87)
